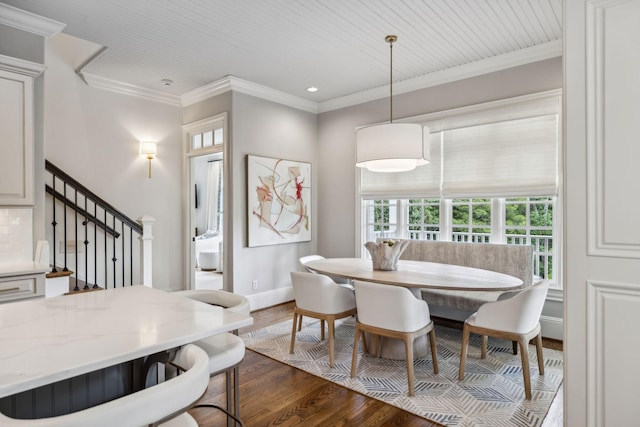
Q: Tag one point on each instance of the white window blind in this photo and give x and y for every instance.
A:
(513, 158)
(487, 150)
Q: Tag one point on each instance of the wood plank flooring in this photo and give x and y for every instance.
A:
(275, 394)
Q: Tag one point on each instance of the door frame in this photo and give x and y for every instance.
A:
(188, 190)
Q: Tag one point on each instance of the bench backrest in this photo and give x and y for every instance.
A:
(514, 260)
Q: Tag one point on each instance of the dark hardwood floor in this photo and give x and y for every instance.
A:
(275, 394)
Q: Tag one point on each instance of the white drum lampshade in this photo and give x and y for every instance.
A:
(392, 147)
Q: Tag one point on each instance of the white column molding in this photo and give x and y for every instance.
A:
(146, 249)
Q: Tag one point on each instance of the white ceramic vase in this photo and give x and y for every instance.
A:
(385, 254)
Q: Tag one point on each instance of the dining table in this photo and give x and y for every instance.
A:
(44, 341)
(415, 275)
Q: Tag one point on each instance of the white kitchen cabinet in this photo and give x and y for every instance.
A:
(16, 139)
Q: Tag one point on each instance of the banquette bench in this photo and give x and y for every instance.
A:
(515, 260)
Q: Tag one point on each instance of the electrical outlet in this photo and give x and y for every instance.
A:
(254, 285)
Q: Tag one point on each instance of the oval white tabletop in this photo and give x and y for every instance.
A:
(418, 274)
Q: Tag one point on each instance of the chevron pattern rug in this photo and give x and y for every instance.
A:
(492, 393)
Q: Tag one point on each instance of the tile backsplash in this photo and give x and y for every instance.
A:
(16, 234)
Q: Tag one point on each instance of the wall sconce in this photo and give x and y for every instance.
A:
(149, 149)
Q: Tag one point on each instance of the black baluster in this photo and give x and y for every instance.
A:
(54, 224)
(95, 245)
(115, 258)
(86, 245)
(123, 238)
(75, 204)
(106, 275)
(65, 226)
(131, 255)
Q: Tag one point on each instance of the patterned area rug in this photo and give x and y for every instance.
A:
(492, 393)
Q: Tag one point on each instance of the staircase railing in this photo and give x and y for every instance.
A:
(103, 246)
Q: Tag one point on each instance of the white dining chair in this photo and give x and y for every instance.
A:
(339, 280)
(226, 351)
(319, 297)
(163, 405)
(514, 319)
(394, 312)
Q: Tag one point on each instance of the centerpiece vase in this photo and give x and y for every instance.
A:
(385, 254)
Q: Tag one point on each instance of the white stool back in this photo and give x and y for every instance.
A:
(148, 406)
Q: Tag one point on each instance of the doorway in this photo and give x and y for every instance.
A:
(204, 146)
(207, 220)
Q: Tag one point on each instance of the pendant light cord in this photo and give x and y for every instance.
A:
(390, 82)
(391, 39)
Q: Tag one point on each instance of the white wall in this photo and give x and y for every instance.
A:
(264, 128)
(93, 135)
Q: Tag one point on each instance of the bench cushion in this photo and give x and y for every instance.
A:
(514, 260)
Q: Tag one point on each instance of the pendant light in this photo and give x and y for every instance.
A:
(392, 147)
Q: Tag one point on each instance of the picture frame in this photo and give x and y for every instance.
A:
(278, 201)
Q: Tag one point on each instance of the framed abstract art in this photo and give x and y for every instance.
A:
(278, 201)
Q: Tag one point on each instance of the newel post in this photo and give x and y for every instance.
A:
(146, 249)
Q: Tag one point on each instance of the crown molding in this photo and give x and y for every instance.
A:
(524, 56)
(21, 66)
(30, 22)
(128, 89)
(207, 91)
(274, 95)
(231, 83)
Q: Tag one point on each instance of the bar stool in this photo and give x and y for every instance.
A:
(226, 350)
(162, 405)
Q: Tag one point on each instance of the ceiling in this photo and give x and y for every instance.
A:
(337, 46)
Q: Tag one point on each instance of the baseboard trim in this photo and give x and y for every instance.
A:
(552, 327)
(270, 298)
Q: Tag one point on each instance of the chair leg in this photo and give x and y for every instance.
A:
(236, 391)
(408, 346)
(300, 322)
(524, 355)
(463, 351)
(331, 340)
(514, 347)
(539, 353)
(321, 329)
(230, 397)
(354, 357)
(434, 350)
(379, 339)
(483, 347)
(293, 332)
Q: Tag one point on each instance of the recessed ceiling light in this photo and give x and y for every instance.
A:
(312, 89)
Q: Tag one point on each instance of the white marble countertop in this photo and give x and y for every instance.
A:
(46, 340)
(20, 268)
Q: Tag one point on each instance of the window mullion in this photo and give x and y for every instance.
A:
(402, 220)
(446, 220)
(498, 226)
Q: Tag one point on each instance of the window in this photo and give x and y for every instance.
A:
(522, 221)
(423, 219)
(207, 135)
(493, 178)
(471, 220)
(529, 221)
(207, 139)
